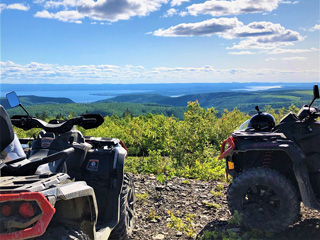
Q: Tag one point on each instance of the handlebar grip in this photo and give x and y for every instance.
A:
(89, 120)
(15, 121)
(20, 123)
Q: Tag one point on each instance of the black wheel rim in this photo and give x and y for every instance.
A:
(261, 202)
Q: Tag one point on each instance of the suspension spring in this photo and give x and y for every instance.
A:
(267, 160)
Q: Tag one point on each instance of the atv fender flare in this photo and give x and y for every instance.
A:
(76, 202)
(298, 159)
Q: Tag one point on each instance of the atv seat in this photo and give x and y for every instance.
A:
(26, 167)
(6, 131)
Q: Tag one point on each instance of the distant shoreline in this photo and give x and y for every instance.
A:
(81, 93)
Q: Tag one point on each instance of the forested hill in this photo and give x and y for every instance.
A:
(245, 101)
(35, 100)
(105, 109)
(142, 104)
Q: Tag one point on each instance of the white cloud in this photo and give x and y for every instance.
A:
(294, 59)
(113, 11)
(2, 7)
(231, 28)
(315, 28)
(14, 6)
(242, 53)
(38, 1)
(170, 12)
(64, 16)
(236, 7)
(283, 51)
(52, 73)
(254, 44)
(205, 28)
(287, 59)
(256, 35)
(99, 10)
(288, 2)
(61, 3)
(44, 14)
(270, 59)
(177, 2)
(183, 14)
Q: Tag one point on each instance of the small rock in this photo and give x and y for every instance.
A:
(204, 217)
(158, 237)
(159, 188)
(179, 234)
(153, 221)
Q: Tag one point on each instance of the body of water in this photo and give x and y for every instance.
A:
(78, 96)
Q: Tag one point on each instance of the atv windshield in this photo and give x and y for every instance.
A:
(244, 126)
(13, 151)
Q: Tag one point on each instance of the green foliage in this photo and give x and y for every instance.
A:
(161, 178)
(105, 109)
(142, 197)
(217, 235)
(163, 145)
(225, 125)
(186, 182)
(184, 225)
(253, 234)
(211, 205)
(217, 194)
(236, 218)
(23, 134)
(219, 187)
(152, 215)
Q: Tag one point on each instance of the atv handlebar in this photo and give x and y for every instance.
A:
(86, 121)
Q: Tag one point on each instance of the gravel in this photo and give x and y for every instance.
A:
(206, 200)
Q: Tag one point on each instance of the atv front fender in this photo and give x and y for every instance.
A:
(298, 159)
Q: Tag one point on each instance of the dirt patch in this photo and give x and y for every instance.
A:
(206, 200)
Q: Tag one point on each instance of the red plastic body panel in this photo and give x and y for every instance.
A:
(224, 153)
(40, 227)
(123, 145)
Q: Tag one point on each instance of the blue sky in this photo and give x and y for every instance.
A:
(159, 41)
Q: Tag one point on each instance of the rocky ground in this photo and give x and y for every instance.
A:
(207, 203)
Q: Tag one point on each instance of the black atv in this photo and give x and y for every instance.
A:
(274, 168)
(67, 186)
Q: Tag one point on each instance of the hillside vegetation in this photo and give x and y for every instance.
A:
(244, 101)
(36, 100)
(105, 109)
(167, 146)
(142, 104)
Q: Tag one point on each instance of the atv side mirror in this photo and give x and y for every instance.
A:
(13, 99)
(316, 92)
